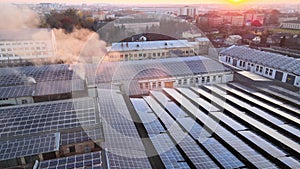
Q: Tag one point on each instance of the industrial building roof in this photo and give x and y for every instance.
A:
(149, 45)
(269, 59)
(224, 126)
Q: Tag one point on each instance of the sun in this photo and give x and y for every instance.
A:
(236, 1)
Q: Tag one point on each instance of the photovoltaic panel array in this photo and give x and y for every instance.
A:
(88, 161)
(217, 150)
(46, 117)
(58, 87)
(239, 146)
(272, 148)
(21, 75)
(122, 140)
(95, 133)
(16, 91)
(191, 149)
(27, 146)
(164, 146)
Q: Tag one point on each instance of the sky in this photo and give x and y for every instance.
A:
(155, 1)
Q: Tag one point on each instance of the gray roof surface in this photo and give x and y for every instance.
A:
(149, 45)
(273, 60)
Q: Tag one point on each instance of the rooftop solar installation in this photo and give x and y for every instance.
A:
(89, 161)
(220, 131)
(46, 117)
(198, 157)
(23, 75)
(269, 59)
(27, 146)
(253, 122)
(258, 113)
(16, 91)
(95, 133)
(260, 104)
(149, 69)
(201, 102)
(265, 98)
(122, 161)
(122, 140)
(58, 87)
(164, 146)
(225, 157)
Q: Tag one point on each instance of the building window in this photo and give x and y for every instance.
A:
(179, 81)
(72, 149)
(135, 55)
(140, 55)
(159, 84)
(154, 54)
(191, 51)
(158, 54)
(184, 81)
(271, 72)
(144, 55)
(208, 79)
(149, 54)
(121, 56)
(153, 84)
(197, 80)
(257, 68)
(141, 85)
(214, 78)
(163, 54)
(244, 64)
(24, 101)
(126, 56)
(261, 69)
(267, 71)
(191, 81)
(147, 85)
(202, 79)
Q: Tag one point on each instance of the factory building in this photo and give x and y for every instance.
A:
(274, 66)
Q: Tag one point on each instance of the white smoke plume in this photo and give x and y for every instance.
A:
(81, 44)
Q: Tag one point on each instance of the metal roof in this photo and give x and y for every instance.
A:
(273, 60)
(149, 45)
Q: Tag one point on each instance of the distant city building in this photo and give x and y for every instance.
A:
(17, 46)
(234, 19)
(252, 16)
(295, 24)
(270, 65)
(210, 20)
(136, 25)
(189, 11)
(287, 17)
(127, 51)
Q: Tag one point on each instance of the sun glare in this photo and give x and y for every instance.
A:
(236, 1)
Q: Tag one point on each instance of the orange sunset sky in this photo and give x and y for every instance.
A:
(155, 1)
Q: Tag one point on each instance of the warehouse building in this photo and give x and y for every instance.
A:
(178, 121)
(274, 66)
(145, 50)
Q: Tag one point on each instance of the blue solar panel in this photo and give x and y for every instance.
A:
(88, 160)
